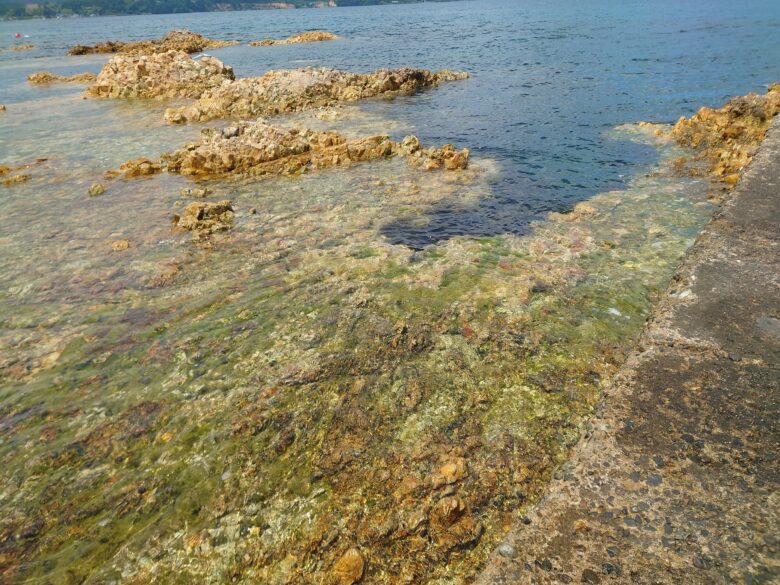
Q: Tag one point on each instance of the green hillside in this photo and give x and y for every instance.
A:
(12, 9)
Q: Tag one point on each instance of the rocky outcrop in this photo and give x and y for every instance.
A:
(45, 77)
(294, 90)
(170, 74)
(175, 40)
(257, 148)
(314, 36)
(204, 219)
(727, 138)
(139, 167)
(433, 158)
(22, 47)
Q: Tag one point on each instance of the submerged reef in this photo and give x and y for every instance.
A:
(258, 148)
(175, 40)
(726, 139)
(294, 90)
(45, 77)
(314, 36)
(10, 176)
(311, 404)
(161, 75)
(205, 219)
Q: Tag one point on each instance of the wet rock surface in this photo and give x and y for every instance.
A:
(258, 148)
(676, 479)
(349, 568)
(727, 138)
(22, 48)
(45, 77)
(314, 36)
(175, 40)
(162, 75)
(294, 90)
(204, 219)
(234, 413)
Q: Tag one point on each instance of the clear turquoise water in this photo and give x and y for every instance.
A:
(549, 79)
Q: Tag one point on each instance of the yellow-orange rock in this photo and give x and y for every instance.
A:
(314, 36)
(294, 90)
(259, 148)
(452, 523)
(175, 40)
(206, 218)
(44, 77)
(349, 568)
(170, 74)
(727, 138)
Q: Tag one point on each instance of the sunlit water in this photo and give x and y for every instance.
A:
(248, 410)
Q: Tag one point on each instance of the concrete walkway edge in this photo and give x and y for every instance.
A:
(677, 478)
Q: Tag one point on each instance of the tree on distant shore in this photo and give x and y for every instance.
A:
(26, 9)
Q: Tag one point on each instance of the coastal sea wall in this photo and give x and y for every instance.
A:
(675, 480)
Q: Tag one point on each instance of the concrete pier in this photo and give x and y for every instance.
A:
(677, 478)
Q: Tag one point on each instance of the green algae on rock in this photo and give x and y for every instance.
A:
(310, 390)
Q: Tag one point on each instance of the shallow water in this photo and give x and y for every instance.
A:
(249, 409)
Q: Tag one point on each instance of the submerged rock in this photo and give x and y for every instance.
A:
(194, 192)
(727, 138)
(314, 36)
(452, 523)
(294, 90)
(139, 167)
(44, 77)
(169, 74)
(16, 179)
(96, 189)
(349, 568)
(258, 148)
(175, 40)
(206, 218)
(22, 47)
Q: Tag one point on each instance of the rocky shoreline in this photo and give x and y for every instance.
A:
(315, 36)
(258, 148)
(160, 75)
(46, 77)
(175, 40)
(263, 455)
(675, 480)
(219, 94)
(295, 90)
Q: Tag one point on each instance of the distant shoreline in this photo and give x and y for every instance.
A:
(218, 7)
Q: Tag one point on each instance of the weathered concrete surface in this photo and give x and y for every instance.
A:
(678, 478)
